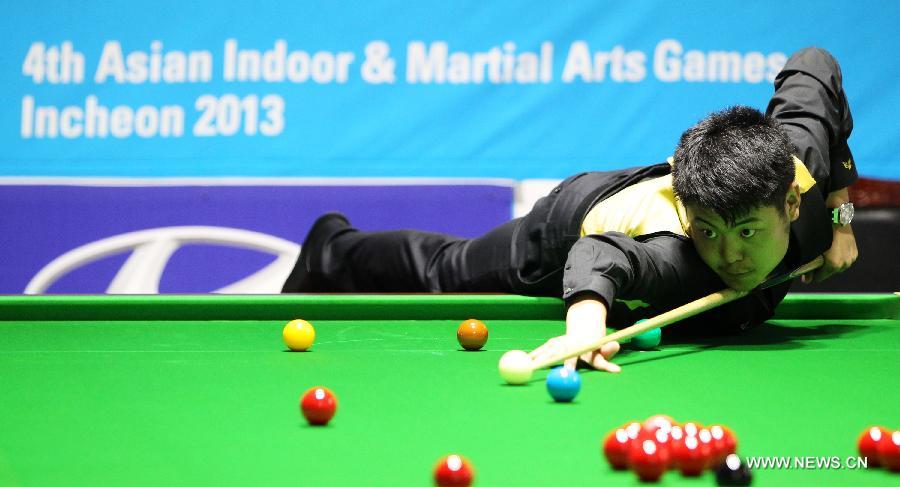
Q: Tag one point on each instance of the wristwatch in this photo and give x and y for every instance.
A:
(842, 215)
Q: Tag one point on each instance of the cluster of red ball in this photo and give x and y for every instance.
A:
(881, 447)
(659, 444)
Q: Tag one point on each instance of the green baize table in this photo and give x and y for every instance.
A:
(200, 390)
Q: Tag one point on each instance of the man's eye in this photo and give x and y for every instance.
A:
(748, 232)
(709, 233)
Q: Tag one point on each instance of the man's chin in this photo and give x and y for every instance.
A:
(746, 284)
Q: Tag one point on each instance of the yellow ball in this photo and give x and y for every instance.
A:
(299, 335)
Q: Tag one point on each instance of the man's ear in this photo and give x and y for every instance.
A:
(792, 202)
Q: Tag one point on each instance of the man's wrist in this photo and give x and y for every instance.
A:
(837, 198)
(843, 214)
(838, 202)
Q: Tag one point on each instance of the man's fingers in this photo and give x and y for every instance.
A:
(822, 274)
(827, 270)
(598, 359)
(601, 363)
(835, 263)
(587, 358)
(551, 346)
(602, 359)
(609, 350)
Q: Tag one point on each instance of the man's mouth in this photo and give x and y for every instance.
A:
(738, 275)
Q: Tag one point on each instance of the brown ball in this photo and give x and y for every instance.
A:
(472, 334)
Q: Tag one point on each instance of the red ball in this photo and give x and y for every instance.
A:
(723, 442)
(691, 428)
(676, 438)
(616, 448)
(868, 444)
(659, 421)
(691, 455)
(318, 405)
(663, 440)
(633, 428)
(649, 456)
(453, 471)
(889, 451)
(704, 437)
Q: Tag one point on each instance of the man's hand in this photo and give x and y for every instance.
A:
(585, 323)
(838, 258)
(843, 251)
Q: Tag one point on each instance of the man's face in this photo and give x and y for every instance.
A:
(744, 253)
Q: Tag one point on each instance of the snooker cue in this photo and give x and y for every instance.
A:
(559, 351)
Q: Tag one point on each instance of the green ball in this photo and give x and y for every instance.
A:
(648, 339)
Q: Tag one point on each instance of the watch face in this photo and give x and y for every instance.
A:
(846, 213)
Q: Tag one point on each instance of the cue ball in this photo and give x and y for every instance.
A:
(733, 471)
(647, 340)
(472, 334)
(298, 335)
(563, 384)
(515, 367)
(453, 471)
(318, 405)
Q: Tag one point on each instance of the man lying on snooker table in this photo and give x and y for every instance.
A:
(746, 196)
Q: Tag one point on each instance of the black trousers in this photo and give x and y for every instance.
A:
(523, 256)
(415, 261)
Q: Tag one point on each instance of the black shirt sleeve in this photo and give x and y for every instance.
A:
(661, 269)
(811, 105)
(664, 271)
(812, 108)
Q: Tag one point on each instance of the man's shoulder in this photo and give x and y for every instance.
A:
(602, 184)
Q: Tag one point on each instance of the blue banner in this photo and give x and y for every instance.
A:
(390, 88)
(133, 237)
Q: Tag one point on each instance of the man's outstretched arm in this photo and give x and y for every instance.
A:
(811, 105)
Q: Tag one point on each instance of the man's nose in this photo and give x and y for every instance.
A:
(732, 251)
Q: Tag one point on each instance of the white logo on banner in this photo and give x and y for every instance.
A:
(151, 250)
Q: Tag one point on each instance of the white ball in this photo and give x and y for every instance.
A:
(515, 367)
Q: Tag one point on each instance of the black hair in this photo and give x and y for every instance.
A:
(732, 162)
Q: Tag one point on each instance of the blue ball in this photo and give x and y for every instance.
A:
(563, 384)
(648, 339)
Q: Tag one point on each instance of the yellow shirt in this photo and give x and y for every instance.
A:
(650, 206)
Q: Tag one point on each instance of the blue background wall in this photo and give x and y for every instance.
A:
(364, 126)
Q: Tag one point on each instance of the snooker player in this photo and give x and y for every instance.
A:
(744, 197)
